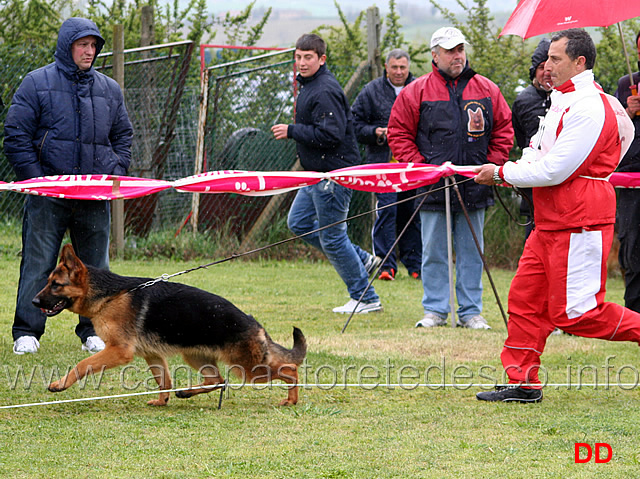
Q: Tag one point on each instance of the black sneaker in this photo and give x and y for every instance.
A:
(512, 393)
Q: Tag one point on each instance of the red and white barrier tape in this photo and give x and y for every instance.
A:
(378, 178)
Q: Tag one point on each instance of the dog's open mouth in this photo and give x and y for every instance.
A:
(57, 308)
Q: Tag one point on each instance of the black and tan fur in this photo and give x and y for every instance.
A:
(165, 319)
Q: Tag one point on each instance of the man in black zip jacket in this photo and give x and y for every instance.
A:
(325, 140)
(528, 110)
(371, 111)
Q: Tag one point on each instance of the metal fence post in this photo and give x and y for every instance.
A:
(452, 294)
(117, 206)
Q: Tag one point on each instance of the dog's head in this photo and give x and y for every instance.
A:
(67, 283)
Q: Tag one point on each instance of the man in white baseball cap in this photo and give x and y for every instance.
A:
(447, 37)
(447, 49)
(452, 114)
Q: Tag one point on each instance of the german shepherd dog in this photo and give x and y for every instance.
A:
(163, 319)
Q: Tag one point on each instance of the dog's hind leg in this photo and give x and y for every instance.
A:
(160, 370)
(209, 370)
(110, 357)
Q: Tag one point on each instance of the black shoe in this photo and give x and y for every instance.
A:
(511, 393)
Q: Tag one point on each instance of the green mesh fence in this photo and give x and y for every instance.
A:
(246, 98)
(162, 95)
(164, 114)
(163, 119)
(15, 63)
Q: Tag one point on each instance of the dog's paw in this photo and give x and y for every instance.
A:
(286, 402)
(158, 402)
(183, 394)
(56, 387)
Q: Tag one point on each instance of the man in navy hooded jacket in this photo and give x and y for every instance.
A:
(64, 119)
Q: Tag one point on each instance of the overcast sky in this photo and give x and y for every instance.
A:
(326, 8)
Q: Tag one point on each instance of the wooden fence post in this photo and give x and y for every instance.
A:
(375, 69)
(200, 145)
(373, 41)
(117, 206)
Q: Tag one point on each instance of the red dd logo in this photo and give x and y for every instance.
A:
(589, 452)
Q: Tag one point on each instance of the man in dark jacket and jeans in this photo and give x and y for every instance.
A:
(452, 115)
(64, 119)
(325, 141)
(371, 111)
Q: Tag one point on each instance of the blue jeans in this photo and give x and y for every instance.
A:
(44, 224)
(322, 204)
(468, 272)
(389, 223)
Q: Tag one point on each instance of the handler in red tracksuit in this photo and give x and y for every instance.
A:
(562, 273)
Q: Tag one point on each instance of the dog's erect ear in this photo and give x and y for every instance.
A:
(68, 257)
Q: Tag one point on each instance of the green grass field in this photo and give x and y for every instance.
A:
(334, 432)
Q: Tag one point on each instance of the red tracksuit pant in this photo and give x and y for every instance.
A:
(561, 282)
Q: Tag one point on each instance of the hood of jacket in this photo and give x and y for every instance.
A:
(71, 30)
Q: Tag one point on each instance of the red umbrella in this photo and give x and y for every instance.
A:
(537, 17)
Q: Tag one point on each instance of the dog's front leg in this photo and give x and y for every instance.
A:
(109, 357)
(289, 374)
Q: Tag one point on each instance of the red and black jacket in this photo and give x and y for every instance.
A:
(465, 121)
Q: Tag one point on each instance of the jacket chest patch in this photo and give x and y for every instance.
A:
(475, 120)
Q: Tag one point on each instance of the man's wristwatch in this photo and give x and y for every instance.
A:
(496, 176)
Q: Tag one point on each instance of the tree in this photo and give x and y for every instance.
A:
(610, 61)
(200, 26)
(237, 31)
(171, 21)
(347, 42)
(33, 22)
(504, 60)
(394, 38)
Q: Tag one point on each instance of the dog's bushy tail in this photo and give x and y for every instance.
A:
(299, 350)
(294, 355)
